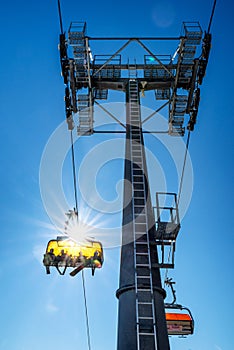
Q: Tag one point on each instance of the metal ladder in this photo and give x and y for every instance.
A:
(132, 70)
(145, 308)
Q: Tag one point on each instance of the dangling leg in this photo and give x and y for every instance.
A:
(77, 270)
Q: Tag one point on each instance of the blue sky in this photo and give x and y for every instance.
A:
(40, 311)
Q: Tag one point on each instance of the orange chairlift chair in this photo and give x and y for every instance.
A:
(179, 323)
(179, 318)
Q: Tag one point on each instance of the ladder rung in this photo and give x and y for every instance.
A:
(139, 233)
(144, 333)
(139, 196)
(146, 275)
(139, 201)
(145, 242)
(139, 226)
(137, 171)
(141, 238)
(141, 220)
(144, 290)
(145, 317)
(141, 216)
(138, 162)
(137, 168)
(134, 159)
(139, 192)
(139, 186)
(144, 303)
(143, 265)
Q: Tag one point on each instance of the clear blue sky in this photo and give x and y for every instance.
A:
(47, 312)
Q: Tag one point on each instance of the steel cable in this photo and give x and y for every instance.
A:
(76, 204)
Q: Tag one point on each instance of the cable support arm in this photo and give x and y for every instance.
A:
(133, 39)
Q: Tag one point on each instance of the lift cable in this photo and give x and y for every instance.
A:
(182, 174)
(74, 172)
(179, 193)
(60, 17)
(76, 207)
(76, 200)
(86, 310)
(186, 150)
(211, 17)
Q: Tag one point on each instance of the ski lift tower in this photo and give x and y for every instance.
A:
(175, 80)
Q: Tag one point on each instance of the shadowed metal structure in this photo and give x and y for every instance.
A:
(175, 79)
(142, 322)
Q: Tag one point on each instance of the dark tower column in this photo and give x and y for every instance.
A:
(142, 324)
